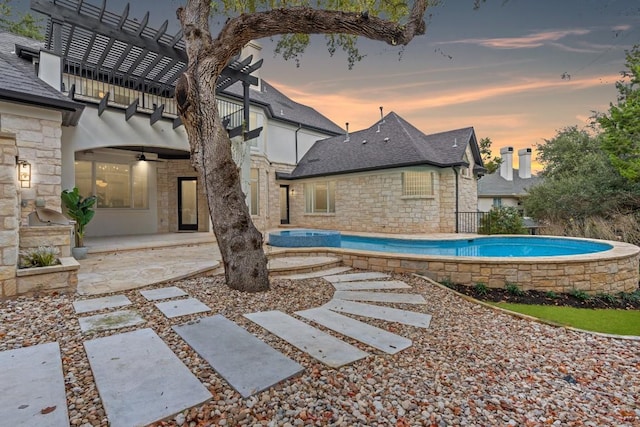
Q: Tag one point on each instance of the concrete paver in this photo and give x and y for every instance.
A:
(370, 285)
(230, 349)
(163, 293)
(95, 304)
(182, 307)
(327, 349)
(380, 297)
(140, 380)
(350, 277)
(108, 321)
(32, 387)
(375, 337)
(406, 317)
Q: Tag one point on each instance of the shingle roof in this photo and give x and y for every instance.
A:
(18, 82)
(282, 108)
(496, 185)
(393, 142)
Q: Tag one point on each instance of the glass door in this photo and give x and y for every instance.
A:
(188, 204)
(284, 204)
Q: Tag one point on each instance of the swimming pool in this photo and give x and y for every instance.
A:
(512, 246)
(544, 263)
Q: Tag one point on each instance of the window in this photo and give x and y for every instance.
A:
(417, 183)
(320, 197)
(497, 202)
(254, 198)
(116, 185)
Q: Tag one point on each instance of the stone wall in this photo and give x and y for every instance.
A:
(9, 215)
(58, 236)
(38, 139)
(373, 202)
(611, 271)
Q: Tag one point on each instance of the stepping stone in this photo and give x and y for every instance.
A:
(32, 387)
(314, 274)
(182, 307)
(246, 363)
(388, 314)
(380, 297)
(324, 347)
(351, 277)
(95, 304)
(163, 293)
(359, 331)
(358, 286)
(140, 380)
(115, 320)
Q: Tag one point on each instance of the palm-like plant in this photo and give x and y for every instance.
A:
(80, 210)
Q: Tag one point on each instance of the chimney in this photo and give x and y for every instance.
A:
(253, 48)
(524, 170)
(506, 167)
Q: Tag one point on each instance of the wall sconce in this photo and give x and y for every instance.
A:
(24, 173)
(292, 191)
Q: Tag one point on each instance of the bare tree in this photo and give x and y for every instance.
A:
(240, 243)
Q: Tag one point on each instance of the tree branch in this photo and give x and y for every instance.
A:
(241, 30)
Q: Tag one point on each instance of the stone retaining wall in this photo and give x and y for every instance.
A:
(612, 271)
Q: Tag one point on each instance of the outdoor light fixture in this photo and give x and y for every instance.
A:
(24, 173)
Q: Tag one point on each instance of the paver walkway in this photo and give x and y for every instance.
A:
(140, 380)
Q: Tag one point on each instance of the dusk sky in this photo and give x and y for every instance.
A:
(499, 68)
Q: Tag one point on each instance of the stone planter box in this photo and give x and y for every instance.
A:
(56, 278)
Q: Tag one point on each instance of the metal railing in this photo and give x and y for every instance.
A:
(472, 222)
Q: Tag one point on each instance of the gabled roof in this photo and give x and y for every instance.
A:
(282, 108)
(18, 82)
(495, 185)
(392, 142)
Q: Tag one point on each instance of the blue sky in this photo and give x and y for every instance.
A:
(498, 68)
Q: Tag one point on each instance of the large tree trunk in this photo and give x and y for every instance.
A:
(240, 242)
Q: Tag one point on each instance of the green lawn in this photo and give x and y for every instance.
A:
(620, 322)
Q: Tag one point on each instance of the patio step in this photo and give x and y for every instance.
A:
(388, 297)
(406, 317)
(288, 265)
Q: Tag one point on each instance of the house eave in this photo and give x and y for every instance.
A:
(71, 111)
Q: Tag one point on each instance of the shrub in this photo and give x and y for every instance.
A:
(579, 294)
(43, 256)
(502, 220)
(447, 282)
(603, 296)
(513, 289)
(631, 297)
(551, 294)
(481, 288)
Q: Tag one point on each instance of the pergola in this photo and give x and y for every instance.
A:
(114, 49)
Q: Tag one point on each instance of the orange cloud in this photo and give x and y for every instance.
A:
(525, 42)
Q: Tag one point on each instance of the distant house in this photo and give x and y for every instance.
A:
(507, 186)
(389, 178)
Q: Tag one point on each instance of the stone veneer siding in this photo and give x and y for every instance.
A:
(9, 215)
(58, 236)
(373, 202)
(611, 271)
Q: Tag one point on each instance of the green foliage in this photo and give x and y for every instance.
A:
(621, 322)
(608, 298)
(502, 220)
(491, 163)
(481, 288)
(43, 256)
(447, 282)
(631, 297)
(80, 210)
(621, 126)
(551, 294)
(579, 294)
(579, 181)
(292, 46)
(513, 289)
(25, 25)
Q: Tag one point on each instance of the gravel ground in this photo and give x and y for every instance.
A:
(473, 367)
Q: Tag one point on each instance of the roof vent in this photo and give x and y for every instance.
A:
(455, 142)
(386, 139)
(381, 115)
(364, 141)
(281, 112)
(347, 136)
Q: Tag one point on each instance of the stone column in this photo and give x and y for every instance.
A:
(9, 215)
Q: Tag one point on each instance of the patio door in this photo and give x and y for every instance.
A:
(188, 204)
(284, 204)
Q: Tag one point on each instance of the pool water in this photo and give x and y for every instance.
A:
(512, 246)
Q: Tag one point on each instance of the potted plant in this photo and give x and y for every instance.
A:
(81, 211)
